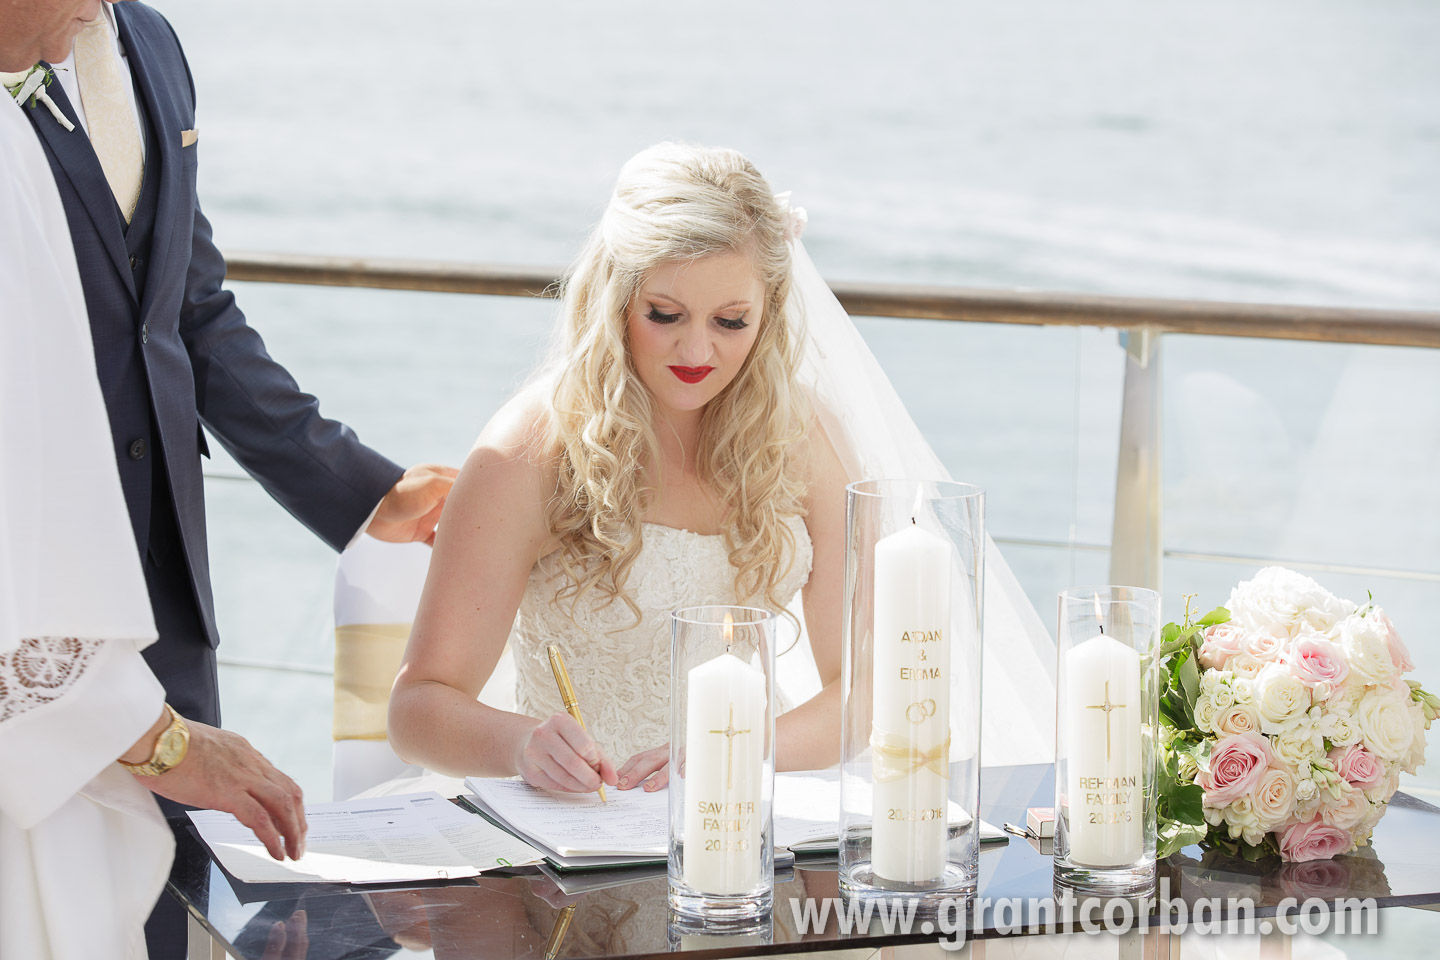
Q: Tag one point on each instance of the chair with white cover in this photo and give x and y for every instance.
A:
(377, 590)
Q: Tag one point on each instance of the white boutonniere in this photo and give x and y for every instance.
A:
(30, 85)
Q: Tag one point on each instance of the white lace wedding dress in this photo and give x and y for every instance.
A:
(620, 668)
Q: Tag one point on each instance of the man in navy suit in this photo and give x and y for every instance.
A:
(173, 352)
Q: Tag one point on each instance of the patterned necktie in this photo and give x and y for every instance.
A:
(108, 112)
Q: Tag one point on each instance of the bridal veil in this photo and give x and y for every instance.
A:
(875, 438)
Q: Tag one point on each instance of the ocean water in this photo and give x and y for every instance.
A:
(1277, 152)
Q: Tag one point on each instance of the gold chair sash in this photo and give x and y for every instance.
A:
(367, 657)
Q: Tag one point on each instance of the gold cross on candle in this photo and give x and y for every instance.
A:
(1107, 706)
(729, 734)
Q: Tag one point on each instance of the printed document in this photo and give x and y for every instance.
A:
(382, 840)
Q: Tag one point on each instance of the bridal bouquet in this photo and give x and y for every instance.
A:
(1285, 722)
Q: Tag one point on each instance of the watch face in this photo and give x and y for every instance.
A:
(171, 748)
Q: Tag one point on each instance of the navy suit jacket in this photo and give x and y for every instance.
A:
(174, 351)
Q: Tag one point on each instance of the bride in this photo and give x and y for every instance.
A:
(689, 443)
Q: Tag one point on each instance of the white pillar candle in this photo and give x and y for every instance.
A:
(911, 720)
(1104, 777)
(724, 768)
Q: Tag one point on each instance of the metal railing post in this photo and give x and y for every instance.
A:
(1135, 543)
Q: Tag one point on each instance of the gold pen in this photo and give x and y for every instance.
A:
(562, 923)
(567, 696)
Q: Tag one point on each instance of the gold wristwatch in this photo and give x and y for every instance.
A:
(170, 748)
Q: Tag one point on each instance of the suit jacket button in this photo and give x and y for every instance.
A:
(144, 333)
(134, 260)
(137, 450)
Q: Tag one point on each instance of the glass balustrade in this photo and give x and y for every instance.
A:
(1320, 456)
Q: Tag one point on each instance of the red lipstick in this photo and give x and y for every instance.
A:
(691, 374)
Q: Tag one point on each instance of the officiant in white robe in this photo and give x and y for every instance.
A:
(84, 851)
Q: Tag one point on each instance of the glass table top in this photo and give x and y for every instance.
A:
(527, 915)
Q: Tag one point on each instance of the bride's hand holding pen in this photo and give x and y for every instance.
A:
(559, 755)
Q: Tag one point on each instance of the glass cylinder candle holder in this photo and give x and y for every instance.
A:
(910, 691)
(1106, 713)
(722, 763)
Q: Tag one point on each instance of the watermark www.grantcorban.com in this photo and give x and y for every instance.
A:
(1008, 916)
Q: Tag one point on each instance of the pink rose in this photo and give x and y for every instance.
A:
(1399, 654)
(1316, 661)
(1314, 840)
(1236, 766)
(1357, 765)
(1219, 644)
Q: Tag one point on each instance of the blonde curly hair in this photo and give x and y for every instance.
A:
(672, 203)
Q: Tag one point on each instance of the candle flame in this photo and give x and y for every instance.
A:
(729, 631)
(919, 502)
(1099, 613)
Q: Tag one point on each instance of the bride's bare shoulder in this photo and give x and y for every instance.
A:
(519, 437)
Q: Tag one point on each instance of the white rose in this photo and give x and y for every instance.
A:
(1280, 696)
(1372, 817)
(1298, 742)
(1244, 689)
(1385, 789)
(1209, 680)
(1415, 759)
(1366, 651)
(1244, 820)
(1325, 616)
(1386, 726)
(1237, 718)
(1279, 602)
(1223, 696)
(1338, 726)
(1205, 714)
(1244, 665)
(1264, 647)
(1347, 698)
(1275, 797)
(1308, 797)
(1347, 812)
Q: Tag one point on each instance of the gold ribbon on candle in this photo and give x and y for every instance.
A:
(367, 657)
(898, 757)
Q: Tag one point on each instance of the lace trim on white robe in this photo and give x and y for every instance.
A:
(41, 670)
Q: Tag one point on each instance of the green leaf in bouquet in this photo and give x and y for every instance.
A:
(1172, 713)
(1173, 647)
(1170, 761)
(1169, 634)
(1220, 840)
(1189, 677)
(1214, 618)
(1257, 852)
(1174, 837)
(1187, 804)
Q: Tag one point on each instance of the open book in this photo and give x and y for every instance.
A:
(578, 831)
